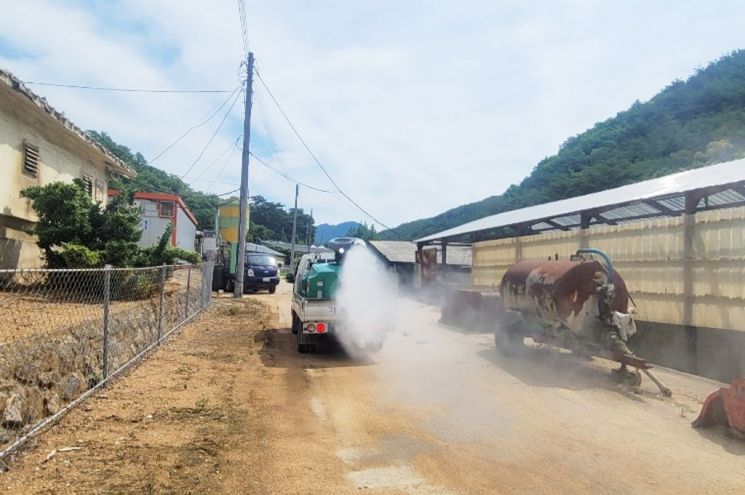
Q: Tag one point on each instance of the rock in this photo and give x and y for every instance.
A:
(72, 386)
(26, 373)
(3, 397)
(5, 437)
(15, 408)
(34, 405)
(51, 403)
(47, 379)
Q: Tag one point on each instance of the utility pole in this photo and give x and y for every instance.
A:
(243, 203)
(294, 228)
(307, 232)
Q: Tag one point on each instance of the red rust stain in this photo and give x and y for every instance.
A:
(560, 288)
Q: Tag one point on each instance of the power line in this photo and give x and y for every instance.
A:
(229, 192)
(225, 164)
(129, 90)
(182, 136)
(201, 153)
(229, 148)
(318, 162)
(287, 176)
(244, 25)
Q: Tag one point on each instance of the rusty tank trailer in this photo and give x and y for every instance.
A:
(581, 304)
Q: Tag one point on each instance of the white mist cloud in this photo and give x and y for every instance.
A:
(414, 107)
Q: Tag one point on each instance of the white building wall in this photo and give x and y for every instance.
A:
(151, 224)
(56, 163)
(186, 231)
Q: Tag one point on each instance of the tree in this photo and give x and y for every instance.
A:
(362, 231)
(151, 179)
(74, 232)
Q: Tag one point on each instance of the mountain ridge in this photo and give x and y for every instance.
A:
(689, 124)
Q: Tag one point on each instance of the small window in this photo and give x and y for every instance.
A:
(88, 183)
(165, 209)
(30, 160)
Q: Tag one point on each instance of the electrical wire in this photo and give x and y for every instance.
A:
(244, 25)
(201, 153)
(225, 164)
(128, 90)
(287, 176)
(264, 117)
(229, 192)
(229, 148)
(182, 136)
(315, 159)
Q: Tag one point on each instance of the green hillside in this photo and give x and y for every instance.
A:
(689, 124)
(268, 221)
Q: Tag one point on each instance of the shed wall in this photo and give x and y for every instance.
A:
(186, 232)
(651, 257)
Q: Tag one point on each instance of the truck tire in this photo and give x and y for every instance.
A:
(272, 290)
(508, 336)
(302, 343)
(295, 323)
(229, 285)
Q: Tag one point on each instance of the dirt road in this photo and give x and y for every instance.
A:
(228, 406)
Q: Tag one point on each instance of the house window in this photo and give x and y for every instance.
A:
(88, 184)
(165, 209)
(30, 160)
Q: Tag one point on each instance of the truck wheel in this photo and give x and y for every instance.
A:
(295, 323)
(508, 336)
(304, 342)
(229, 285)
(272, 290)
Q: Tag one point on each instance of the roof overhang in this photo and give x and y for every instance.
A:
(714, 186)
(112, 163)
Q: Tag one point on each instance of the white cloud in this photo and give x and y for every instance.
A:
(414, 107)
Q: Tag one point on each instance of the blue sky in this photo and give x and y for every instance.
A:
(414, 107)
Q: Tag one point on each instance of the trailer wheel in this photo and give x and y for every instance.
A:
(508, 336)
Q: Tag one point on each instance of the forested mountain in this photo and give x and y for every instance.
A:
(268, 220)
(688, 124)
(325, 231)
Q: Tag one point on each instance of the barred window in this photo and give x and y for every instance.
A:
(30, 160)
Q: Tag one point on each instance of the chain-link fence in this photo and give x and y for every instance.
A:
(65, 333)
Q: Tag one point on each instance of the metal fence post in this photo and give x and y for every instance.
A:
(106, 301)
(162, 300)
(188, 288)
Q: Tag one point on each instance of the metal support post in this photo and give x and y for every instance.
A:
(106, 301)
(188, 288)
(162, 301)
(294, 228)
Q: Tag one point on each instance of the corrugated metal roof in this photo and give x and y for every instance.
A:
(396, 251)
(405, 252)
(670, 185)
(252, 247)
